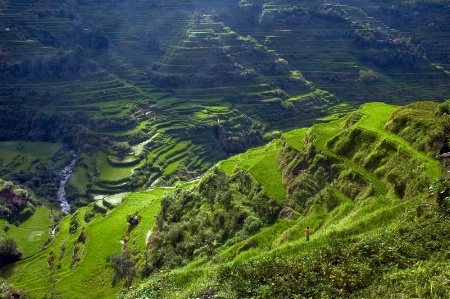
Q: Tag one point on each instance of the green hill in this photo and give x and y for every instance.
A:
(206, 135)
(360, 184)
(154, 92)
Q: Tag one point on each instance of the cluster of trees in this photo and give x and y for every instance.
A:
(284, 16)
(60, 65)
(8, 291)
(409, 14)
(250, 12)
(79, 34)
(234, 141)
(43, 179)
(87, 38)
(14, 199)
(105, 125)
(234, 136)
(10, 252)
(330, 12)
(256, 14)
(220, 211)
(21, 122)
(388, 52)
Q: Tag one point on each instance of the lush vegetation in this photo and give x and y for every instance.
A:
(221, 210)
(375, 227)
(224, 76)
(373, 236)
(138, 100)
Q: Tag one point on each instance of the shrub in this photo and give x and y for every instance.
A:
(443, 108)
(10, 252)
(7, 291)
(123, 268)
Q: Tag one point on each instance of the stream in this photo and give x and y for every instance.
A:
(65, 173)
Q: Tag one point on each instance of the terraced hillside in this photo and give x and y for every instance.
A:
(155, 92)
(345, 180)
(356, 182)
(343, 48)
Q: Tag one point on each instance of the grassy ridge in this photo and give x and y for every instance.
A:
(260, 162)
(354, 233)
(352, 211)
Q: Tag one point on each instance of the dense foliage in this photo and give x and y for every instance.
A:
(61, 65)
(8, 291)
(9, 251)
(151, 93)
(217, 213)
(429, 120)
(21, 122)
(14, 200)
(350, 267)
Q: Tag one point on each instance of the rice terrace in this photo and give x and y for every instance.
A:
(224, 149)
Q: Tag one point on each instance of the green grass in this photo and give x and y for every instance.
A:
(79, 180)
(376, 115)
(295, 137)
(285, 240)
(25, 152)
(172, 167)
(32, 233)
(111, 173)
(89, 278)
(364, 219)
(260, 162)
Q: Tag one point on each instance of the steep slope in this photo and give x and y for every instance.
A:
(346, 48)
(153, 92)
(368, 216)
(239, 229)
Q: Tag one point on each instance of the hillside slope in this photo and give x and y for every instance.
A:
(361, 183)
(376, 229)
(153, 92)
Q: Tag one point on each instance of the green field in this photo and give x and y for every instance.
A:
(20, 155)
(33, 233)
(88, 277)
(359, 203)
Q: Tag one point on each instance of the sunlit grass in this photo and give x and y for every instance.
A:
(89, 278)
(260, 162)
(295, 137)
(32, 233)
(111, 173)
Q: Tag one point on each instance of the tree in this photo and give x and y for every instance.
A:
(123, 268)
(10, 252)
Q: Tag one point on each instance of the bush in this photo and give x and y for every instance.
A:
(10, 252)
(443, 108)
(7, 291)
(123, 268)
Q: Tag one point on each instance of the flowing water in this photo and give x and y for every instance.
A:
(65, 173)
